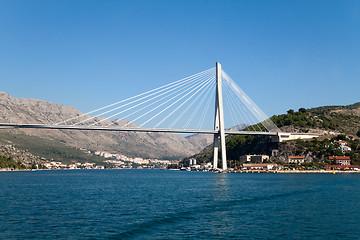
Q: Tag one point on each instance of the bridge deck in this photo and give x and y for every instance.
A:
(86, 128)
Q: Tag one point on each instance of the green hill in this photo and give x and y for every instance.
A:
(50, 150)
(332, 122)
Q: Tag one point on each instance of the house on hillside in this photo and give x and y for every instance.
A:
(341, 160)
(295, 159)
(259, 158)
(344, 146)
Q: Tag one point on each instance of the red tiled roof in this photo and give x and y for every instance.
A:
(339, 158)
(296, 157)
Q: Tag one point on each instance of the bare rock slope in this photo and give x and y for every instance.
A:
(149, 145)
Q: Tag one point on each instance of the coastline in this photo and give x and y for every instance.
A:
(235, 171)
(20, 170)
(300, 171)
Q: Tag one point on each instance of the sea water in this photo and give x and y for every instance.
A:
(158, 204)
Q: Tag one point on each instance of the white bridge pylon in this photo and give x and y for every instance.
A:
(219, 123)
(183, 106)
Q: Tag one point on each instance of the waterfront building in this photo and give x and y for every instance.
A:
(206, 165)
(342, 167)
(341, 160)
(72, 166)
(260, 166)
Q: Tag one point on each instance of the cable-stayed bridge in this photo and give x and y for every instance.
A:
(184, 106)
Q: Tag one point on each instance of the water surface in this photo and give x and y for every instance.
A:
(156, 204)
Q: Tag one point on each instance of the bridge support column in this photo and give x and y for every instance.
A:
(219, 123)
(216, 151)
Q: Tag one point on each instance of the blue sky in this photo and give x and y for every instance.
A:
(87, 54)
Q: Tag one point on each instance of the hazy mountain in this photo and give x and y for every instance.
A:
(32, 111)
(239, 127)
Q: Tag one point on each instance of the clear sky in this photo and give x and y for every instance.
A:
(87, 54)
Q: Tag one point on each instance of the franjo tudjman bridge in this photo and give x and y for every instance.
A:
(181, 107)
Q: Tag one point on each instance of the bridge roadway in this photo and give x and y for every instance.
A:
(72, 127)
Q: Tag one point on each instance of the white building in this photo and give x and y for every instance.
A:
(254, 158)
(296, 159)
(192, 161)
(260, 166)
(341, 160)
(344, 146)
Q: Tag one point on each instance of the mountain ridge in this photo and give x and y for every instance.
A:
(34, 111)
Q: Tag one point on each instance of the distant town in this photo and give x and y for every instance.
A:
(246, 163)
(118, 161)
(266, 163)
(260, 163)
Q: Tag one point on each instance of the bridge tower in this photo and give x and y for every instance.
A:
(219, 123)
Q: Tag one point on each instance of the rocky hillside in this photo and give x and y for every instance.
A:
(333, 123)
(147, 145)
(12, 158)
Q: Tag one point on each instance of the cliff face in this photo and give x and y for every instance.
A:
(149, 145)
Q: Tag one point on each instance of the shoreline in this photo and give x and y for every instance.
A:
(236, 171)
(297, 171)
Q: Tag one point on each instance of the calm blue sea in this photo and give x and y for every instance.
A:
(156, 204)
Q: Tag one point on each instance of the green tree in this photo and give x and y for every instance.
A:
(8, 162)
(358, 133)
(302, 110)
(341, 137)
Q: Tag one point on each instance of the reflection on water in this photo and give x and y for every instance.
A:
(221, 222)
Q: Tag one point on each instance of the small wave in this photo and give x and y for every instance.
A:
(138, 229)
